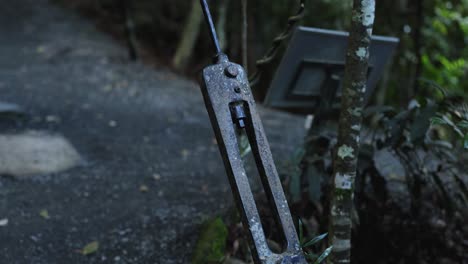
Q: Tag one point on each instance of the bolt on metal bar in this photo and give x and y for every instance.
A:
(231, 108)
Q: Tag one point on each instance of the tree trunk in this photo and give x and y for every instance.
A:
(346, 154)
(221, 24)
(129, 28)
(418, 46)
(189, 37)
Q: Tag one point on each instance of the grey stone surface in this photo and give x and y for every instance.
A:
(34, 153)
(133, 125)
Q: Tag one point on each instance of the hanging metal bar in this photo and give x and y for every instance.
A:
(231, 108)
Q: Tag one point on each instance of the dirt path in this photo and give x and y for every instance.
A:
(152, 171)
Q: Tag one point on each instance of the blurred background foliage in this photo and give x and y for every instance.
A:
(433, 34)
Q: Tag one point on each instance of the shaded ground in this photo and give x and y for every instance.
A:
(152, 171)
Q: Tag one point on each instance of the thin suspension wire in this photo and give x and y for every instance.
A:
(209, 21)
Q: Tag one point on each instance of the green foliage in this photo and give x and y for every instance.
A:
(315, 240)
(316, 259)
(445, 72)
(409, 167)
(422, 129)
(453, 122)
(211, 245)
(324, 255)
(444, 48)
(244, 145)
(303, 179)
(90, 248)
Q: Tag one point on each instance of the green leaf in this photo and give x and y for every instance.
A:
(315, 240)
(463, 124)
(422, 122)
(465, 141)
(301, 231)
(324, 255)
(44, 214)
(438, 121)
(440, 27)
(211, 244)
(90, 248)
(452, 125)
(244, 145)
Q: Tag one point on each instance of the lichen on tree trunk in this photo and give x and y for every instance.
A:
(347, 148)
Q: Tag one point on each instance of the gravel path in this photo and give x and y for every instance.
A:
(152, 171)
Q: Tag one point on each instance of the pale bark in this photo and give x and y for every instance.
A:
(221, 23)
(189, 37)
(347, 148)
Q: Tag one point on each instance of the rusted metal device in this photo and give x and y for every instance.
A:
(232, 109)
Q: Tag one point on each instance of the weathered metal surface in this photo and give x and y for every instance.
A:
(313, 65)
(231, 107)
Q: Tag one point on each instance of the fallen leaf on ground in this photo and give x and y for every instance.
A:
(144, 188)
(90, 248)
(3, 222)
(112, 123)
(52, 119)
(44, 214)
(40, 49)
(185, 153)
(157, 176)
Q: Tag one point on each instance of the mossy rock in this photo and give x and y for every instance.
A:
(211, 244)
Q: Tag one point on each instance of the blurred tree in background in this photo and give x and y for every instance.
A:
(433, 34)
